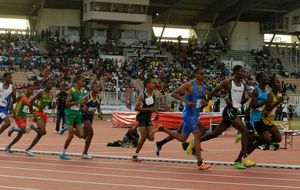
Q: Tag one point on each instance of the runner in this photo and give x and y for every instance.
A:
(145, 106)
(43, 103)
(93, 103)
(74, 105)
(23, 108)
(196, 111)
(236, 98)
(7, 98)
(194, 96)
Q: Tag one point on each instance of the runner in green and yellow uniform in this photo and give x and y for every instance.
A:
(74, 103)
(43, 103)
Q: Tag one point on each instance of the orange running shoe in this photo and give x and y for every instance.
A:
(203, 166)
(136, 159)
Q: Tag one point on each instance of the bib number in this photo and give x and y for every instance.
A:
(149, 101)
(75, 108)
(199, 103)
(3, 102)
(92, 109)
(26, 109)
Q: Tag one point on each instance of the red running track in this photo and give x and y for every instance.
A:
(18, 171)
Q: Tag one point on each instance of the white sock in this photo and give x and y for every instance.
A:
(64, 151)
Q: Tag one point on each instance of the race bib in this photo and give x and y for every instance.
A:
(149, 101)
(261, 108)
(75, 108)
(199, 103)
(47, 110)
(92, 109)
(26, 109)
(236, 105)
(3, 102)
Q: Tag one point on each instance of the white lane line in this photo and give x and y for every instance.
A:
(146, 165)
(89, 182)
(139, 170)
(17, 188)
(145, 178)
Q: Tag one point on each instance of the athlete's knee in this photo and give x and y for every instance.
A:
(150, 137)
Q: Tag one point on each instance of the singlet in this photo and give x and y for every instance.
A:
(262, 96)
(77, 96)
(268, 117)
(5, 98)
(148, 102)
(196, 97)
(44, 102)
(22, 107)
(92, 104)
(236, 95)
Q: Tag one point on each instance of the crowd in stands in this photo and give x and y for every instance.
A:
(264, 60)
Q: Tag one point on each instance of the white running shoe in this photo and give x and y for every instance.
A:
(29, 153)
(86, 156)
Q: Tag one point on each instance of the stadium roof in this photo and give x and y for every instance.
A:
(180, 12)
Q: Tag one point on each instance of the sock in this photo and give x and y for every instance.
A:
(135, 155)
(64, 151)
(199, 162)
(164, 141)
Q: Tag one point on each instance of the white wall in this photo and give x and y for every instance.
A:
(246, 35)
(58, 17)
(293, 27)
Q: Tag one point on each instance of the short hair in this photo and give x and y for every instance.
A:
(77, 78)
(147, 80)
(94, 83)
(259, 76)
(6, 74)
(236, 68)
(197, 70)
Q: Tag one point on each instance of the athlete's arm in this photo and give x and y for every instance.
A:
(254, 104)
(36, 97)
(215, 91)
(271, 106)
(14, 94)
(139, 103)
(177, 94)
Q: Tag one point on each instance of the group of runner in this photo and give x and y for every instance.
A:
(79, 112)
(255, 129)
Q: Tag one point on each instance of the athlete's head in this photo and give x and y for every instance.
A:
(64, 87)
(149, 83)
(198, 74)
(29, 89)
(262, 78)
(238, 71)
(7, 78)
(275, 83)
(95, 87)
(48, 84)
(79, 80)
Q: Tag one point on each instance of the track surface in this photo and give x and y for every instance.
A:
(18, 171)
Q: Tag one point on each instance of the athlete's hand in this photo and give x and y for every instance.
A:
(156, 117)
(191, 104)
(281, 99)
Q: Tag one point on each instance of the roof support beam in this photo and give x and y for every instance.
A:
(216, 6)
(238, 8)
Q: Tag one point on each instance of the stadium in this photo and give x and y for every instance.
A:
(152, 94)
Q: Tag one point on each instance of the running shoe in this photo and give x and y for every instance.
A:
(274, 146)
(29, 153)
(157, 148)
(248, 163)
(204, 166)
(8, 150)
(136, 159)
(238, 138)
(63, 156)
(63, 130)
(55, 132)
(86, 156)
(185, 145)
(263, 147)
(239, 165)
(190, 148)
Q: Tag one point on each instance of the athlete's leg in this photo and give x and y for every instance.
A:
(150, 134)
(143, 137)
(215, 133)
(16, 139)
(238, 125)
(88, 133)
(5, 125)
(41, 131)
